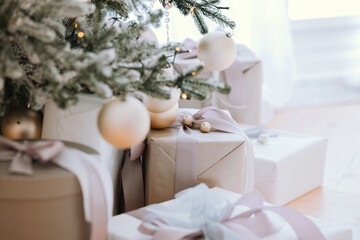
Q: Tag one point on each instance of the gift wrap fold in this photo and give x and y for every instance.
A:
(287, 165)
(222, 215)
(245, 78)
(222, 160)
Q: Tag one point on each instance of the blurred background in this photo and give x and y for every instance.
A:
(310, 48)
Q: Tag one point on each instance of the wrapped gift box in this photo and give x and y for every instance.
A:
(78, 124)
(48, 205)
(287, 165)
(221, 162)
(125, 227)
(245, 77)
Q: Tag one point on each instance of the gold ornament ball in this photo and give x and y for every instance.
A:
(124, 123)
(22, 123)
(188, 120)
(205, 127)
(217, 50)
(164, 119)
(157, 105)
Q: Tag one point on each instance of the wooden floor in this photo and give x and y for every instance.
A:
(339, 198)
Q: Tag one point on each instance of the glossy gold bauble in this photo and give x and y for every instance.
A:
(124, 123)
(217, 50)
(164, 119)
(157, 105)
(22, 123)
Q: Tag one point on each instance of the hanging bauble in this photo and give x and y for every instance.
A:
(157, 105)
(217, 50)
(164, 119)
(149, 36)
(124, 123)
(22, 123)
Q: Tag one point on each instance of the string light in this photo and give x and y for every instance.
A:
(192, 9)
(193, 73)
(178, 49)
(76, 25)
(81, 34)
(167, 19)
(184, 96)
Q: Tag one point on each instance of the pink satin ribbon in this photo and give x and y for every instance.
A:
(187, 147)
(131, 180)
(250, 225)
(21, 155)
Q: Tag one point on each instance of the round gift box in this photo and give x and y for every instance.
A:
(46, 205)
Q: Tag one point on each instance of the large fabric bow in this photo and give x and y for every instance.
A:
(22, 153)
(95, 187)
(187, 147)
(210, 219)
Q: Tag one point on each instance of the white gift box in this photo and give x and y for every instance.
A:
(248, 81)
(125, 227)
(78, 124)
(287, 165)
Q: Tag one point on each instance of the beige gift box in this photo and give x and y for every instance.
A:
(47, 205)
(221, 162)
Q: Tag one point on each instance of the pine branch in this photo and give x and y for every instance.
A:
(201, 9)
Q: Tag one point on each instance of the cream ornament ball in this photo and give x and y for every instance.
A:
(217, 50)
(124, 123)
(164, 119)
(157, 105)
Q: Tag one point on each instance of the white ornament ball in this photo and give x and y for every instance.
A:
(157, 105)
(188, 120)
(217, 51)
(124, 123)
(205, 127)
(149, 36)
(164, 119)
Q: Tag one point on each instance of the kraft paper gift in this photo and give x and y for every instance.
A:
(187, 209)
(287, 165)
(39, 200)
(221, 162)
(78, 124)
(245, 78)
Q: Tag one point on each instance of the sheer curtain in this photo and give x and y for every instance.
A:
(263, 26)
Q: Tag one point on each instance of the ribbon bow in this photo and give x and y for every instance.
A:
(213, 221)
(187, 147)
(21, 154)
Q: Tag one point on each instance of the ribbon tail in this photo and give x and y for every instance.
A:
(187, 152)
(21, 164)
(99, 218)
(132, 183)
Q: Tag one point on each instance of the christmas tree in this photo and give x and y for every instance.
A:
(58, 49)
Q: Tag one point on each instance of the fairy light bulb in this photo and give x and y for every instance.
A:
(184, 96)
(81, 34)
(192, 9)
(76, 25)
(193, 73)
